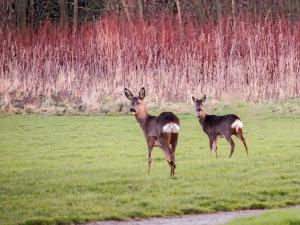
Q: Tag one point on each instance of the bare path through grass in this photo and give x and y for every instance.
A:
(203, 219)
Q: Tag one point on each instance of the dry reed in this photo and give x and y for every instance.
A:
(50, 68)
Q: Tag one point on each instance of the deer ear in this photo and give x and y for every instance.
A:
(204, 98)
(194, 99)
(142, 93)
(128, 94)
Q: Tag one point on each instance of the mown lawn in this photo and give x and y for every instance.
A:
(276, 217)
(64, 169)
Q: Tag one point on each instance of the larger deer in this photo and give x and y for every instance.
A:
(160, 131)
(219, 126)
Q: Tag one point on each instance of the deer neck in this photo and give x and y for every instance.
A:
(141, 117)
(201, 117)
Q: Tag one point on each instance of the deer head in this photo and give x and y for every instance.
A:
(199, 104)
(137, 105)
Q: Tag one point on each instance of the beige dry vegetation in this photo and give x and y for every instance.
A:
(86, 73)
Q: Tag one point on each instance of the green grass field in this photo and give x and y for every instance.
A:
(64, 169)
(276, 217)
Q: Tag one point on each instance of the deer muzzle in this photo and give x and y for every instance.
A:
(132, 110)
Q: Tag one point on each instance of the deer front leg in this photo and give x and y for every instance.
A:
(232, 145)
(212, 144)
(215, 147)
(150, 142)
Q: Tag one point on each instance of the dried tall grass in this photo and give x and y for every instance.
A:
(52, 68)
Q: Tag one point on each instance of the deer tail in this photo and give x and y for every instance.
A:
(171, 128)
(237, 125)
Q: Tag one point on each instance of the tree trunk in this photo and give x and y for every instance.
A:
(233, 10)
(20, 6)
(32, 12)
(126, 10)
(75, 15)
(5, 12)
(296, 14)
(218, 10)
(63, 12)
(179, 14)
(200, 10)
(141, 9)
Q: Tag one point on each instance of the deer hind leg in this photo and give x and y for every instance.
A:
(240, 136)
(173, 144)
(169, 154)
(232, 145)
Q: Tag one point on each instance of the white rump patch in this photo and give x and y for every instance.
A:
(237, 124)
(170, 128)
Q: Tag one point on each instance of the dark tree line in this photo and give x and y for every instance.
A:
(24, 13)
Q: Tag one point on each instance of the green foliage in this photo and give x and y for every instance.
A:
(72, 169)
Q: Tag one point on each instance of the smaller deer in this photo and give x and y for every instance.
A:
(160, 131)
(219, 126)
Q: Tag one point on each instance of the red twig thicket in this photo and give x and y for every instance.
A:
(52, 67)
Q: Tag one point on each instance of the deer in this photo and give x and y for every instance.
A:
(219, 126)
(160, 131)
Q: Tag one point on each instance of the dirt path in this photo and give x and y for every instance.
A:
(204, 219)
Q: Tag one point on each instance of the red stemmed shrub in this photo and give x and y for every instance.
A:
(50, 67)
